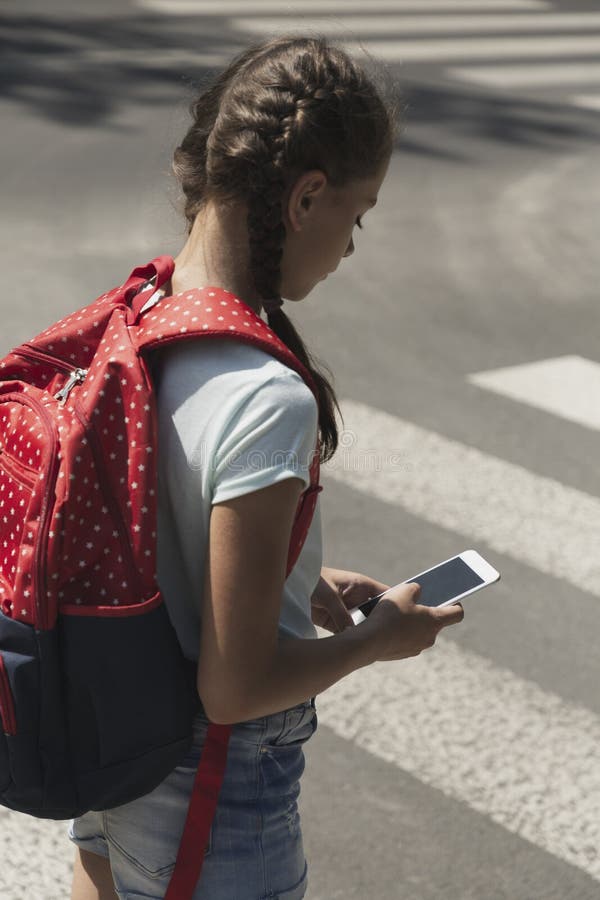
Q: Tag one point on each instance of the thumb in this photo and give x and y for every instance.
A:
(450, 615)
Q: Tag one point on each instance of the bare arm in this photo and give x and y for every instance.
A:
(245, 670)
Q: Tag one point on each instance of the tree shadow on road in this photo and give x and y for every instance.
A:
(477, 115)
(80, 72)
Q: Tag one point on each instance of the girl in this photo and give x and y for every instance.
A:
(286, 153)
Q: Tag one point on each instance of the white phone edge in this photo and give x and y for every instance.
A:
(471, 558)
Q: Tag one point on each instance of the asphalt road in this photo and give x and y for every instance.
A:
(481, 254)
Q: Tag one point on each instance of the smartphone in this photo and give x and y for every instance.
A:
(444, 584)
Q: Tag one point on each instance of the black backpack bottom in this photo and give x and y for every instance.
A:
(102, 710)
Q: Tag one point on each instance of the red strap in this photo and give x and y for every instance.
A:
(177, 324)
(162, 267)
(201, 812)
(213, 760)
(211, 768)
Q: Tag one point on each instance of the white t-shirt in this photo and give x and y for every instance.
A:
(232, 419)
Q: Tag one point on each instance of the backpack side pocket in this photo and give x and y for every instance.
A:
(7, 714)
(7, 706)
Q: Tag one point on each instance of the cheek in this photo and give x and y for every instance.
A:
(309, 256)
(329, 254)
(297, 268)
(314, 256)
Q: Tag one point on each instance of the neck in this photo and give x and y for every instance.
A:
(216, 254)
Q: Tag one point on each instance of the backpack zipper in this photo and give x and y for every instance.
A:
(46, 508)
(45, 517)
(76, 374)
(27, 352)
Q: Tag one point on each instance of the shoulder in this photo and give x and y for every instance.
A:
(228, 375)
(252, 416)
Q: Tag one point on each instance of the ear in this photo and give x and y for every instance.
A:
(304, 195)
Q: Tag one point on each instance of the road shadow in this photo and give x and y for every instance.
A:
(474, 114)
(81, 71)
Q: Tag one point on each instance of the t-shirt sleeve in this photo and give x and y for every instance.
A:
(273, 436)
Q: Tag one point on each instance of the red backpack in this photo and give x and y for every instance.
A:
(96, 698)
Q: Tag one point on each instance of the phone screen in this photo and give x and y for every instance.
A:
(444, 582)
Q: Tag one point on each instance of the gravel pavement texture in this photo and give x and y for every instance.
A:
(37, 858)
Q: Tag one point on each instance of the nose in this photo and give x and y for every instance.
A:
(349, 249)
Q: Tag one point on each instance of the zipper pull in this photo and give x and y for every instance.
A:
(76, 377)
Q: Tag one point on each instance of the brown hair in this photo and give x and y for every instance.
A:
(279, 109)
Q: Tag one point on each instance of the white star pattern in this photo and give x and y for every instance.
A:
(100, 341)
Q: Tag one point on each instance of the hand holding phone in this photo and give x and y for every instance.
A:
(443, 585)
(399, 628)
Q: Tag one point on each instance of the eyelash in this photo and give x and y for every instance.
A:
(359, 222)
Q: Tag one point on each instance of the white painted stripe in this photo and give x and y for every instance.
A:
(533, 76)
(533, 519)
(327, 7)
(445, 49)
(587, 101)
(568, 386)
(482, 736)
(374, 25)
(147, 59)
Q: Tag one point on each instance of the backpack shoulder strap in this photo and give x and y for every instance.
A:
(212, 312)
(209, 312)
(159, 270)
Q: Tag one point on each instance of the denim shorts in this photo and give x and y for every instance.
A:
(255, 850)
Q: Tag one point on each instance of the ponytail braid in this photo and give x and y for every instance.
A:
(190, 158)
(285, 331)
(266, 233)
(284, 107)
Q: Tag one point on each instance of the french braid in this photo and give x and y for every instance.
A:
(281, 108)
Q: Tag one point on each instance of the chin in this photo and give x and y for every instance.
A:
(298, 294)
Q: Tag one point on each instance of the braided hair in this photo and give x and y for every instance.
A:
(282, 108)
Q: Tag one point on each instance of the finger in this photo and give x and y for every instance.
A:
(406, 589)
(404, 592)
(352, 591)
(379, 588)
(346, 618)
(348, 599)
(340, 615)
(450, 615)
(416, 590)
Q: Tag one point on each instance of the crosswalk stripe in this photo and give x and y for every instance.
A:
(164, 57)
(530, 518)
(568, 386)
(587, 101)
(535, 75)
(427, 24)
(483, 736)
(417, 50)
(412, 21)
(528, 76)
(327, 7)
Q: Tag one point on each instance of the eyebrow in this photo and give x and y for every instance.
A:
(373, 201)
